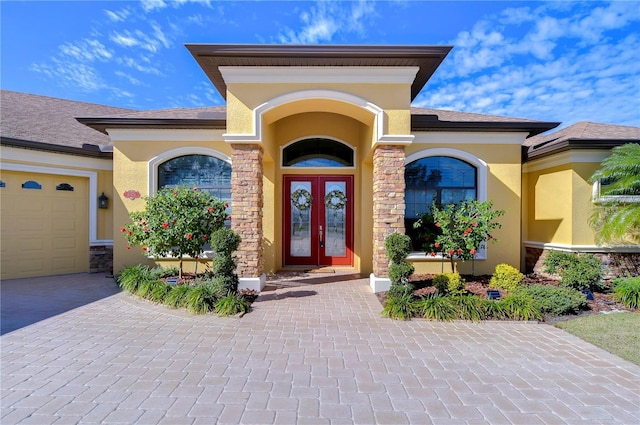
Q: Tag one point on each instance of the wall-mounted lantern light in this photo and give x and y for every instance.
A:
(103, 201)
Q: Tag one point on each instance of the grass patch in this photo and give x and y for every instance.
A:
(616, 333)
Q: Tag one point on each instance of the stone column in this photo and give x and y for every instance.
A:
(247, 201)
(388, 201)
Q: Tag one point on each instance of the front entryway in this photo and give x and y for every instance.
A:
(318, 220)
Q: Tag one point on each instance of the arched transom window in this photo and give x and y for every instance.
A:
(317, 152)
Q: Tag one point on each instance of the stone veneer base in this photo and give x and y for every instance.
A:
(255, 283)
(379, 284)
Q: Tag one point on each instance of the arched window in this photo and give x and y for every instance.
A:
(439, 179)
(442, 176)
(202, 171)
(317, 152)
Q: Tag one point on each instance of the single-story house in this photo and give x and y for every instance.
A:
(318, 152)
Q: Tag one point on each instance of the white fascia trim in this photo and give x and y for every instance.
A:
(317, 74)
(583, 248)
(174, 153)
(564, 158)
(255, 283)
(93, 188)
(165, 135)
(255, 137)
(53, 158)
(481, 166)
(468, 137)
(102, 242)
(379, 284)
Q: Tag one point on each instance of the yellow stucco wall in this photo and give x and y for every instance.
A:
(243, 98)
(559, 204)
(105, 216)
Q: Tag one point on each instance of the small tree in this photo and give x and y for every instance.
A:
(465, 227)
(176, 222)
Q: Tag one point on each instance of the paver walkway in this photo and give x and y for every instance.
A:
(317, 354)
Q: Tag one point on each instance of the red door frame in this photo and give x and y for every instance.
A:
(317, 257)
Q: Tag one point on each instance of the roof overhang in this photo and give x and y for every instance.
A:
(211, 57)
(87, 149)
(532, 153)
(432, 123)
(102, 124)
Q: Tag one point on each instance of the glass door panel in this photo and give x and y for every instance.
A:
(301, 210)
(335, 201)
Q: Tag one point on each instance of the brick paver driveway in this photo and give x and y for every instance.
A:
(317, 354)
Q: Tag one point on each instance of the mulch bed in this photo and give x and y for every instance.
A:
(478, 285)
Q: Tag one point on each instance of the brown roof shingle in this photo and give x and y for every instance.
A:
(585, 130)
(31, 120)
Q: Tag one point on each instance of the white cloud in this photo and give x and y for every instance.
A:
(132, 80)
(136, 64)
(86, 50)
(72, 74)
(119, 15)
(326, 20)
(149, 5)
(151, 42)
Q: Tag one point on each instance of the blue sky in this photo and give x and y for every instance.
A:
(553, 61)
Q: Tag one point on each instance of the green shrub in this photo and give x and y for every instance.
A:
(232, 304)
(469, 307)
(159, 291)
(582, 271)
(556, 261)
(400, 290)
(131, 277)
(494, 309)
(506, 277)
(436, 307)
(398, 246)
(627, 291)
(586, 273)
(520, 306)
(224, 242)
(201, 299)
(177, 296)
(399, 306)
(556, 301)
(449, 283)
(146, 286)
(399, 273)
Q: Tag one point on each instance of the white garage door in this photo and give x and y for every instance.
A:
(45, 224)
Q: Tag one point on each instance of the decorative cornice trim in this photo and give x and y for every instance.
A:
(315, 74)
(564, 158)
(165, 135)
